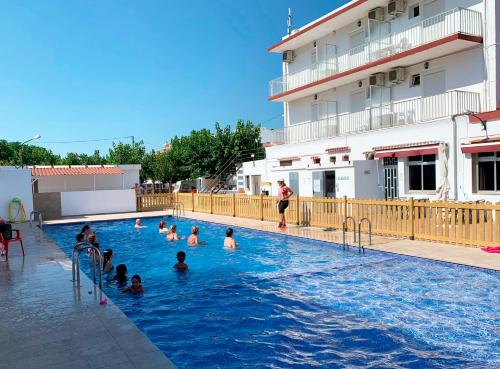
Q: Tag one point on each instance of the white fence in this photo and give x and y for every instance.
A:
(454, 21)
(97, 202)
(389, 115)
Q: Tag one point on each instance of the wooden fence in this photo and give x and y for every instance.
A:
(476, 224)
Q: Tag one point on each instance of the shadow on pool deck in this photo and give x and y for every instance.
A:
(44, 324)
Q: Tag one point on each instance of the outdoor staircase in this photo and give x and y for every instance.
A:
(221, 181)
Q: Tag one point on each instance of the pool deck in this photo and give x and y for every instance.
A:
(457, 254)
(46, 323)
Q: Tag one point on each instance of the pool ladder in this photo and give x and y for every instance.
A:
(32, 218)
(96, 263)
(345, 223)
(177, 209)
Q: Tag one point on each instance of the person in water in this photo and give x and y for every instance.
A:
(136, 286)
(107, 261)
(229, 241)
(193, 237)
(138, 224)
(162, 227)
(181, 266)
(80, 237)
(172, 233)
(121, 274)
(87, 231)
(284, 193)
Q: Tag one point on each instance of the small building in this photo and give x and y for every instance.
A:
(65, 190)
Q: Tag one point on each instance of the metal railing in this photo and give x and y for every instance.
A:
(454, 21)
(96, 263)
(394, 114)
(32, 218)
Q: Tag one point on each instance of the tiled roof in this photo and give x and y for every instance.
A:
(74, 171)
(333, 150)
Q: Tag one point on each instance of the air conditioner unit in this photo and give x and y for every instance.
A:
(376, 14)
(288, 56)
(377, 79)
(397, 75)
(386, 120)
(396, 7)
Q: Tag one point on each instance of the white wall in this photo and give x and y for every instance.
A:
(15, 183)
(97, 202)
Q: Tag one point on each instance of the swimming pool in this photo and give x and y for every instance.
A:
(285, 302)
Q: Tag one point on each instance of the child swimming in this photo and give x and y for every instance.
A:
(138, 224)
(121, 274)
(162, 227)
(229, 241)
(107, 263)
(193, 237)
(87, 231)
(181, 266)
(136, 286)
(172, 233)
(80, 237)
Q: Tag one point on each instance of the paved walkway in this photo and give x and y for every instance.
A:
(465, 255)
(46, 324)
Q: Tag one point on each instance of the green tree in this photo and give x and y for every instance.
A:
(124, 153)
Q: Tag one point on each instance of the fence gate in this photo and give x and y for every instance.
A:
(391, 178)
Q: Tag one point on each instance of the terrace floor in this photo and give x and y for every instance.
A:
(46, 323)
(457, 254)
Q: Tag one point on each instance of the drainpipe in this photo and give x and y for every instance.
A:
(455, 157)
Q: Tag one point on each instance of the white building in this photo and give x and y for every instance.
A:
(369, 92)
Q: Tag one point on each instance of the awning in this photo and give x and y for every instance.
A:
(473, 148)
(401, 151)
(291, 158)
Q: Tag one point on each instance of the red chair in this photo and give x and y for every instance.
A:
(6, 243)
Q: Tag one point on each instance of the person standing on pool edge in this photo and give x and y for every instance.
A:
(284, 193)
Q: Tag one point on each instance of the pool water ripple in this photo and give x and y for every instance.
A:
(285, 302)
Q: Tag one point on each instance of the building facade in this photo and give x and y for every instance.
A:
(389, 99)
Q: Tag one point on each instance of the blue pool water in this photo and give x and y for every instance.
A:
(285, 302)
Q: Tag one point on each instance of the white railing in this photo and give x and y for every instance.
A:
(454, 21)
(395, 114)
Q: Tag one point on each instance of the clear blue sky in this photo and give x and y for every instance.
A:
(76, 70)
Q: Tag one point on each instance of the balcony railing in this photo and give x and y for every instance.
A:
(389, 115)
(454, 21)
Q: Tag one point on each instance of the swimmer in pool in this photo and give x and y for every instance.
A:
(136, 286)
(162, 227)
(229, 241)
(138, 224)
(193, 237)
(181, 266)
(172, 233)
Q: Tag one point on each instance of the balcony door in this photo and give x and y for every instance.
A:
(434, 104)
(433, 24)
(323, 119)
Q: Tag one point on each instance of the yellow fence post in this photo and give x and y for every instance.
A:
(192, 202)
(345, 208)
(298, 210)
(497, 222)
(261, 204)
(234, 204)
(412, 218)
(211, 202)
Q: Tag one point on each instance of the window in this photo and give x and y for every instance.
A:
(414, 11)
(488, 171)
(415, 80)
(422, 173)
(286, 163)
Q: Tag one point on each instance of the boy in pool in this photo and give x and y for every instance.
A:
(107, 261)
(172, 233)
(80, 237)
(121, 274)
(162, 227)
(136, 286)
(181, 266)
(229, 241)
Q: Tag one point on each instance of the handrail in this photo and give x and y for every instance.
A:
(361, 248)
(344, 228)
(40, 220)
(75, 267)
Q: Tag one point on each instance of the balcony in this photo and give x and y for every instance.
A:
(443, 34)
(395, 114)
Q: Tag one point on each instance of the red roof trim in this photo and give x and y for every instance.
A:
(416, 50)
(489, 115)
(292, 158)
(406, 153)
(333, 150)
(70, 171)
(317, 23)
